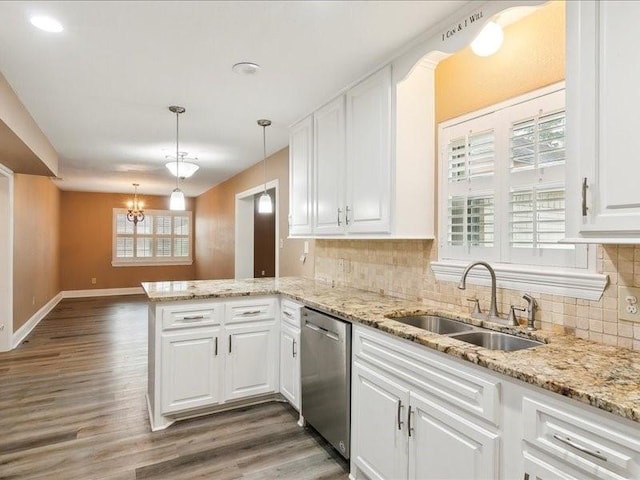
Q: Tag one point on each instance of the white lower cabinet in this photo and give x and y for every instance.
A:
(405, 422)
(443, 445)
(184, 386)
(203, 354)
(562, 440)
(250, 359)
(378, 432)
(290, 352)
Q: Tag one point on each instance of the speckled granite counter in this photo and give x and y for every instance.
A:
(603, 376)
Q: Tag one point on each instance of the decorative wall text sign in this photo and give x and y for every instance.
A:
(457, 28)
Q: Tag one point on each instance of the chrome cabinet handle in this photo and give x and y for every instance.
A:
(216, 348)
(409, 427)
(229, 343)
(568, 441)
(400, 422)
(294, 349)
(346, 215)
(339, 212)
(192, 318)
(250, 312)
(584, 197)
(287, 314)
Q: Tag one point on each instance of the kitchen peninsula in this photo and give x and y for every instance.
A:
(592, 374)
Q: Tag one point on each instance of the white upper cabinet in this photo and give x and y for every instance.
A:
(373, 160)
(603, 100)
(368, 204)
(300, 178)
(329, 168)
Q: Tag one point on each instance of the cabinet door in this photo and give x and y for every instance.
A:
(368, 208)
(251, 363)
(329, 168)
(300, 169)
(444, 446)
(290, 364)
(603, 101)
(190, 375)
(378, 424)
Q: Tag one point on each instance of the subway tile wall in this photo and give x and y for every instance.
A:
(401, 268)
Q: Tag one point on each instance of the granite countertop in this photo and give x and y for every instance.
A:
(604, 376)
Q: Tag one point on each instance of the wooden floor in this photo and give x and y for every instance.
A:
(72, 406)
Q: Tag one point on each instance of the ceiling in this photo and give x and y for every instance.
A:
(100, 89)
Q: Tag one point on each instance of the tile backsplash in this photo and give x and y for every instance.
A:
(401, 268)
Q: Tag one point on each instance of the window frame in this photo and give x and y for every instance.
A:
(579, 280)
(153, 261)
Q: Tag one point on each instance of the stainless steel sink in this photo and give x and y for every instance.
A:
(434, 324)
(497, 340)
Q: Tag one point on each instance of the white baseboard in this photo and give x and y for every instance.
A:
(20, 334)
(101, 292)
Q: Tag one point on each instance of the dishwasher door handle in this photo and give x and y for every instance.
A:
(314, 327)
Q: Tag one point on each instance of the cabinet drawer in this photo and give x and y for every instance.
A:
(588, 442)
(291, 312)
(455, 385)
(183, 316)
(247, 310)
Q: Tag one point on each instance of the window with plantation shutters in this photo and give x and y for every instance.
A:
(503, 184)
(162, 238)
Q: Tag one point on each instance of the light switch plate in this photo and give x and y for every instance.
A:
(629, 303)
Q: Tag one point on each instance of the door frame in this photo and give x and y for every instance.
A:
(243, 267)
(6, 258)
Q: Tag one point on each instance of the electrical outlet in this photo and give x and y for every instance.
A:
(629, 303)
(33, 300)
(93, 280)
(305, 250)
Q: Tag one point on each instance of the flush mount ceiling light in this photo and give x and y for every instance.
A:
(246, 68)
(488, 41)
(264, 204)
(184, 168)
(177, 196)
(46, 24)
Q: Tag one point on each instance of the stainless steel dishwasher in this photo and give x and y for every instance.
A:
(326, 377)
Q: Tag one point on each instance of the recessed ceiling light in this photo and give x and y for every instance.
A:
(47, 24)
(246, 68)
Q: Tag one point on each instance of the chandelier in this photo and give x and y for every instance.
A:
(135, 213)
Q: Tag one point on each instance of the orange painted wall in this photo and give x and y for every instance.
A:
(532, 56)
(86, 243)
(215, 223)
(36, 245)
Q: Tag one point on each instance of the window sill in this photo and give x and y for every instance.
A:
(151, 264)
(588, 286)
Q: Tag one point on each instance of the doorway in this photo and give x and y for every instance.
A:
(246, 228)
(6, 259)
(264, 239)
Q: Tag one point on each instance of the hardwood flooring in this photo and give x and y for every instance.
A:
(72, 406)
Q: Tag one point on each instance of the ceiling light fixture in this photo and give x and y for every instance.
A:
(46, 24)
(246, 68)
(488, 41)
(177, 196)
(264, 204)
(135, 213)
(184, 169)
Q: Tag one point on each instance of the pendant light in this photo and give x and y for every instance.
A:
(177, 196)
(264, 204)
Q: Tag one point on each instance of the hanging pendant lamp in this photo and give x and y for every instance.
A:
(265, 205)
(177, 196)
